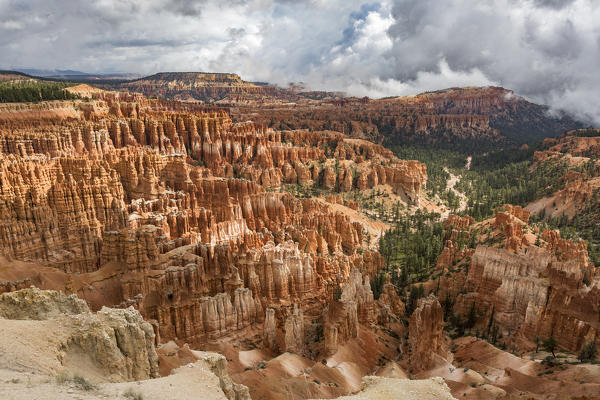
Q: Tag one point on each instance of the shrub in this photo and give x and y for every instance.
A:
(133, 395)
(62, 378)
(551, 361)
(319, 333)
(77, 380)
(83, 383)
(588, 352)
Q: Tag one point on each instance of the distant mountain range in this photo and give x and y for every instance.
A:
(76, 76)
(477, 114)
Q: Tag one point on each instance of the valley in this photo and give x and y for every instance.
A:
(257, 242)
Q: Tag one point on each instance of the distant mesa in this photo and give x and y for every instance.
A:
(210, 87)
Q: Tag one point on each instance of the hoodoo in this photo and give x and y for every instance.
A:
(355, 226)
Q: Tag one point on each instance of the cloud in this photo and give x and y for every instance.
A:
(556, 4)
(444, 77)
(186, 7)
(541, 52)
(545, 50)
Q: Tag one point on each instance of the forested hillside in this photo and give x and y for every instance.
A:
(32, 90)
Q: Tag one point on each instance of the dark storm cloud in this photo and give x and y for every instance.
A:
(546, 50)
(557, 4)
(562, 43)
(542, 49)
(186, 7)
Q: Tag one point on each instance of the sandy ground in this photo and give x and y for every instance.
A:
(191, 382)
(377, 388)
(486, 372)
(392, 370)
(375, 228)
(290, 376)
(558, 204)
(450, 186)
(31, 359)
(30, 346)
(433, 206)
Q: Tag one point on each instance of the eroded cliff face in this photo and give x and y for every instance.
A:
(173, 209)
(531, 283)
(578, 189)
(349, 307)
(491, 114)
(579, 143)
(207, 87)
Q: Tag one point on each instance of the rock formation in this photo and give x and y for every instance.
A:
(218, 366)
(426, 334)
(39, 305)
(578, 190)
(116, 342)
(270, 331)
(491, 114)
(173, 209)
(253, 240)
(342, 317)
(294, 331)
(532, 289)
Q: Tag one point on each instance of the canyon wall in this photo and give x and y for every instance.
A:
(177, 211)
(532, 284)
(485, 114)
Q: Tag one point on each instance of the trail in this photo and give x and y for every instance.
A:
(450, 186)
(468, 164)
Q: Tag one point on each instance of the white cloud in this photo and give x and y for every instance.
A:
(546, 50)
(11, 25)
(425, 81)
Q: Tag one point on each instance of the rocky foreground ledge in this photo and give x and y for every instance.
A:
(53, 347)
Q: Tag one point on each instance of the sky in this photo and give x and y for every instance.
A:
(545, 50)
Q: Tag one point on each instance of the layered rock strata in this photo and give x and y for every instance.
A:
(174, 209)
(492, 114)
(533, 289)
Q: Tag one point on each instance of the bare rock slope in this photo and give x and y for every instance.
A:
(53, 347)
(112, 344)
